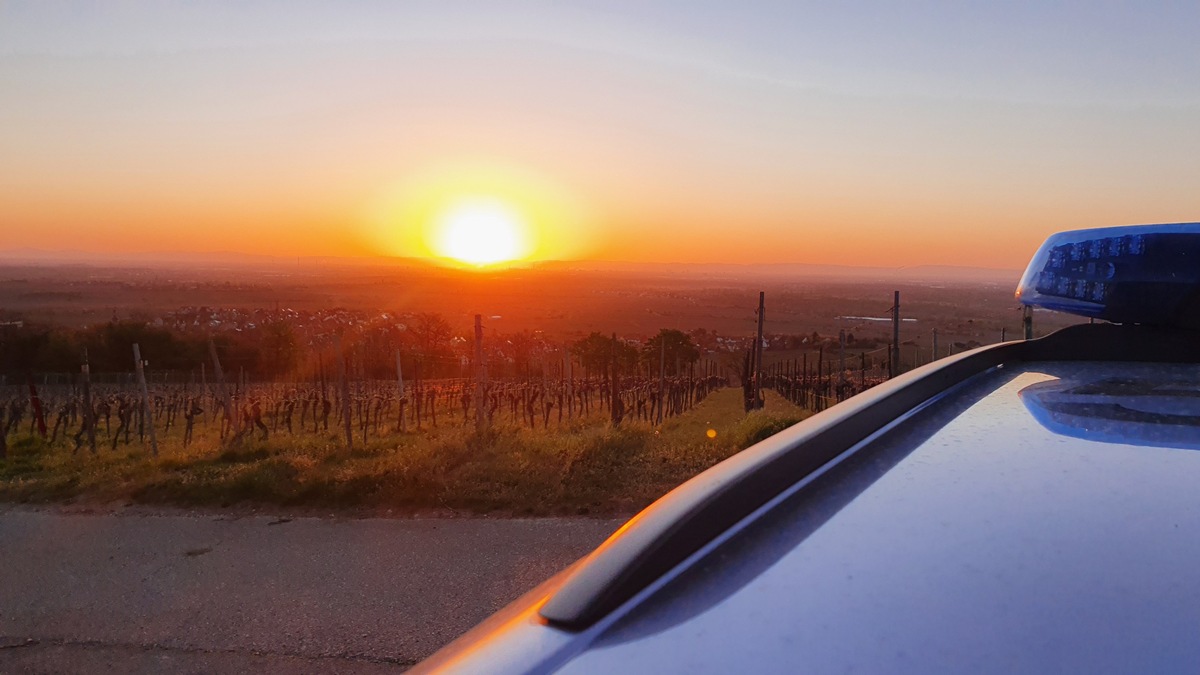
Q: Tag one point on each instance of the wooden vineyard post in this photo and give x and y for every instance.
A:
(230, 411)
(479, 374)
(322, 418)
(364, 403)
(545, 393)
(841, 356)
(418, 393)
(147, 411)
(820, 385)
(89, 415)
(400, 393)
(662, 375)
(804, 379)
(204, 394)
(35, 402)
(613, 400)
(895, 360)
(344, 388)
(562, 388)
(758, 351)
(570, 386)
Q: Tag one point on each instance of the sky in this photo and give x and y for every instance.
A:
(883, 134)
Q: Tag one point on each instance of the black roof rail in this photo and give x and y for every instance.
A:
(693, 514)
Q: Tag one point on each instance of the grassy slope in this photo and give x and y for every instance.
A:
(581, 468)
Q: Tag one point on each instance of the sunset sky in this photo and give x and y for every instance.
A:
(881, 133)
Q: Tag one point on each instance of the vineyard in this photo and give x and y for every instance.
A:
(351, 413)
(337, 410)
(546, 442)
(80, 414)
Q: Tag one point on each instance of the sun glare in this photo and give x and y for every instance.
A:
(476, 214)
(482, 232)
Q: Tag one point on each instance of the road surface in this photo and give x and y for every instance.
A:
(143, 591)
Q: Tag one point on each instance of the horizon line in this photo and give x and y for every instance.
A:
(30, 255)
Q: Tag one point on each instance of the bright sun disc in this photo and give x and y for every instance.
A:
(481, 232)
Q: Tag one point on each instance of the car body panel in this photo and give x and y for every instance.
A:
(971, 537)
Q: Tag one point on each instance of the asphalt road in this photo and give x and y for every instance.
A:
(135, 591)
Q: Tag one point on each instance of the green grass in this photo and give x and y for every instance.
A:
(583, 467)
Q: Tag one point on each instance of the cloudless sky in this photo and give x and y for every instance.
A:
(847, 133)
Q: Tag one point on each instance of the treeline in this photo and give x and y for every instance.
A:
(427, 348)
(266, 351)
(671, 351)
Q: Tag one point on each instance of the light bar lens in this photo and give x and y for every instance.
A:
(1138, 274)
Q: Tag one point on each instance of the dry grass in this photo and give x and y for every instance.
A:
(586, 467)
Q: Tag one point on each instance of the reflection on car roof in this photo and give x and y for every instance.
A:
(1144, 404)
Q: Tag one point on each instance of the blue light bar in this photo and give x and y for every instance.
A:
(1147, 274)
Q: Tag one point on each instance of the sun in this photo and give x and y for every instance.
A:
(479, 214)
(481, 231)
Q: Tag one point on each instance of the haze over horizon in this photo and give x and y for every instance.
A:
(51, 258)
(671, 132)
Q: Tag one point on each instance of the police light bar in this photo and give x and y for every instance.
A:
(1148, 274)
